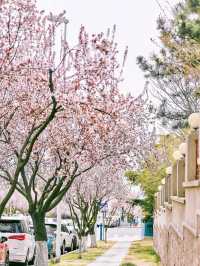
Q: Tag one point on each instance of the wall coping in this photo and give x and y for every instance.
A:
(185, 225)
(178, 199)
(192, 183)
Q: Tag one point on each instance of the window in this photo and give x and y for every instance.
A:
(64, 228)
(51, 228)
(11, 226)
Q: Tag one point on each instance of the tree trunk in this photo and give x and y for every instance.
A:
(106, 234)
(38, 219)
(82, 245)
(41, 258)
(93, 240)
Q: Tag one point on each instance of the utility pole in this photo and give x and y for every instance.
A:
(58, 232)
(66, 21)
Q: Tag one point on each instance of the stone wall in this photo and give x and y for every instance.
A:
(177, 213)
(175, 248)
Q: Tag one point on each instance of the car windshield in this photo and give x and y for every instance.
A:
(10, 226)
(51, 228)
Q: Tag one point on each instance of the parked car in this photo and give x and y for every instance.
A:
(73, 233)
(21, 243)
(67, 239)
(51, 245)
(70, 225)
(51, 241)
(4, 252)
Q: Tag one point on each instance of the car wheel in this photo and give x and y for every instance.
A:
(31, 262)
(7, 260)
(74, 244)
(63, 248)
(26, 262)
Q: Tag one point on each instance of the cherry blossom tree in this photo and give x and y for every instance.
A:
(64, 117)
(22, 75)
(102, 184)
(96, 122)
(121, 201)
(28, 104)
(85, 198)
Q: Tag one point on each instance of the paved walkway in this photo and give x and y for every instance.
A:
(113, 256)
(124, 237)
(125, 234)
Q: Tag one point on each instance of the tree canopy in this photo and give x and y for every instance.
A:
(149, 177)
(172, 72)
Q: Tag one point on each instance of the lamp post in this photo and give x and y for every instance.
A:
(194, 121)
(163, 181)
(58, 208)
(183, 148)
(177, 155)
(58, 232)
(169, 170)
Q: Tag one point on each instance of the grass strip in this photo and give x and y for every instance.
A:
(141, 253)
(72, 258)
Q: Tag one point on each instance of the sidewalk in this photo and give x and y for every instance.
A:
(141, 253)
(113, 256)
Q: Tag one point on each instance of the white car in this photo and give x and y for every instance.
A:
(67, 239)
(72, 231)
(21, 242)
(69, 224)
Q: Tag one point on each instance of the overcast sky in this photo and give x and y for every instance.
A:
(136, 25)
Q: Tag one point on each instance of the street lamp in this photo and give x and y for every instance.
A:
(194, 121)
(169, 170)
(163, 181)
(177, 155)
(183, 148)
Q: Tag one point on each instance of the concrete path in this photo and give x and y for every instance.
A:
(113, 256)
(124, 237)
(125, 234)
